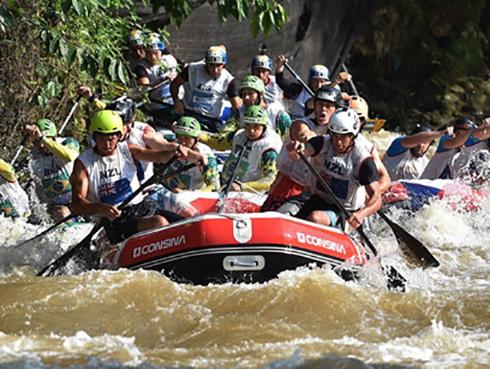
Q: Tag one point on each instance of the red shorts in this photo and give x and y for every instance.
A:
(281, 191)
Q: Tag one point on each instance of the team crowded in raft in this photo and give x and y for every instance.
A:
(273, 122)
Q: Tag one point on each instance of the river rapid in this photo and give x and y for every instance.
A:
(307, 318)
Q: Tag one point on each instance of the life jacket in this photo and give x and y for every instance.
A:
(341, 172)
(112, 179)
(250, 166)
(54, 174)
(192, 179)
(204, 94)
(401, 164)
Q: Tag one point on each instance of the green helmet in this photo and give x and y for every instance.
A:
(47, 127)
(187, 126)
(106, 122)
(252, 82)
(256, 114)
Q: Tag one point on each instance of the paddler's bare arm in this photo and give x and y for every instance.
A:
(373, 204)
(151, 155)
(80, 204)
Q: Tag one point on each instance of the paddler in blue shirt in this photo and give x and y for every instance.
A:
(465, 133)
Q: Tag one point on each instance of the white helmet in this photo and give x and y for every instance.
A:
(360, 106)
(344, 121)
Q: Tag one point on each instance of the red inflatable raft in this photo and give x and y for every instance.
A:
(219, 248)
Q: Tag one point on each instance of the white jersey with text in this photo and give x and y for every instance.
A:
(341, 172)
(112, 179)
(204, 94)
(166, 69)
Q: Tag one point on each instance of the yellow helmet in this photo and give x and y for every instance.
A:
(106, 122)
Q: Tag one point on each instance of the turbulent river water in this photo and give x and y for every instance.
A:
(308, 318)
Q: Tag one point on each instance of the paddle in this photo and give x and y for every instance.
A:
(19, 150)
(63, 126)
(395, 280)
(415, 250)
(82, 251)
(298, 78)
(220, 205)
(351, 82)
(68, 117)
(46, 231)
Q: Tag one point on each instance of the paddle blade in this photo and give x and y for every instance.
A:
(412, 248)
(79, 258)
(396, 282)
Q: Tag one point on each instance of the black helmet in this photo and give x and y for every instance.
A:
(125, 107)
(422, 127)
(330, 94)
(463, 124)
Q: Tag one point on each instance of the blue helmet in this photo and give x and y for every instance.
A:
(262, 61)
(154, 42)
(319, 71)
(216, 55)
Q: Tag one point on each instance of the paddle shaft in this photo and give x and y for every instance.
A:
(351, 82)
(46, 231)
(50, 269)
(232, 177)
(395, 279)
(70, 114)
(336, 201)
(298, 78)
(63, 126)
(19, 150)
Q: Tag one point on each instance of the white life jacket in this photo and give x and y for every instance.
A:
(191, 179)
(167, 68)
(273, 93)
(204, 94)
(341, 172)
(112, 179)
(13, 199)
(405, 165)
(250, 167)
(54, 174)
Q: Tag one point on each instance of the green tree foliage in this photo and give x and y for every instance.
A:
(50, 47)
(264, 15)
